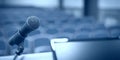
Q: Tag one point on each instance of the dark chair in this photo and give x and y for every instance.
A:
(34, 33)
(52, 31)
(42, 45)
(2, 48)
(99, 34)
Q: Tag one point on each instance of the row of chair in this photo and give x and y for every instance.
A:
(53, 24)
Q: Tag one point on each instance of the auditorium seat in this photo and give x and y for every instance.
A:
(113, 26)
(69, 30)
(1, 33)
(64, 35)
(27, 48)
(88, 20)
(76, 21)
(63, 21)
(10, 29)
(51, 21)
(2, 47)
(42, 49)
(115, 32)
(99, 26)
(42, 45)
(99, 34)
(82, 35)
(73, 20)
(52, 31)
(34, 32)
(86, 28)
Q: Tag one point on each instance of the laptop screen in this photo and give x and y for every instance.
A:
(88, 50)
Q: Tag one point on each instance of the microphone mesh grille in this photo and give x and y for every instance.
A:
(33, 22)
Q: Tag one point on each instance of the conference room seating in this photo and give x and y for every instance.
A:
(54, 23)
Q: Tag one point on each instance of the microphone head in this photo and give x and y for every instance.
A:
(33, 22)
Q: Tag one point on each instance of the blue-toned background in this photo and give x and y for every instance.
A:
(68, 21)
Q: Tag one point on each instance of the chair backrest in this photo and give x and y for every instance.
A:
(42, 45)
(2, 47)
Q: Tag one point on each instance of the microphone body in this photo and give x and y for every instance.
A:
(31, 24)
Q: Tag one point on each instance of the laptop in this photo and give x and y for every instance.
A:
(88, 50)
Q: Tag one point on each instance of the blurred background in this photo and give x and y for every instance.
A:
(71, 19)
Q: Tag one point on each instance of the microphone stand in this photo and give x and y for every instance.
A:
(19, 50)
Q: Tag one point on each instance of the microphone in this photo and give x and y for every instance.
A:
(31, 24)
